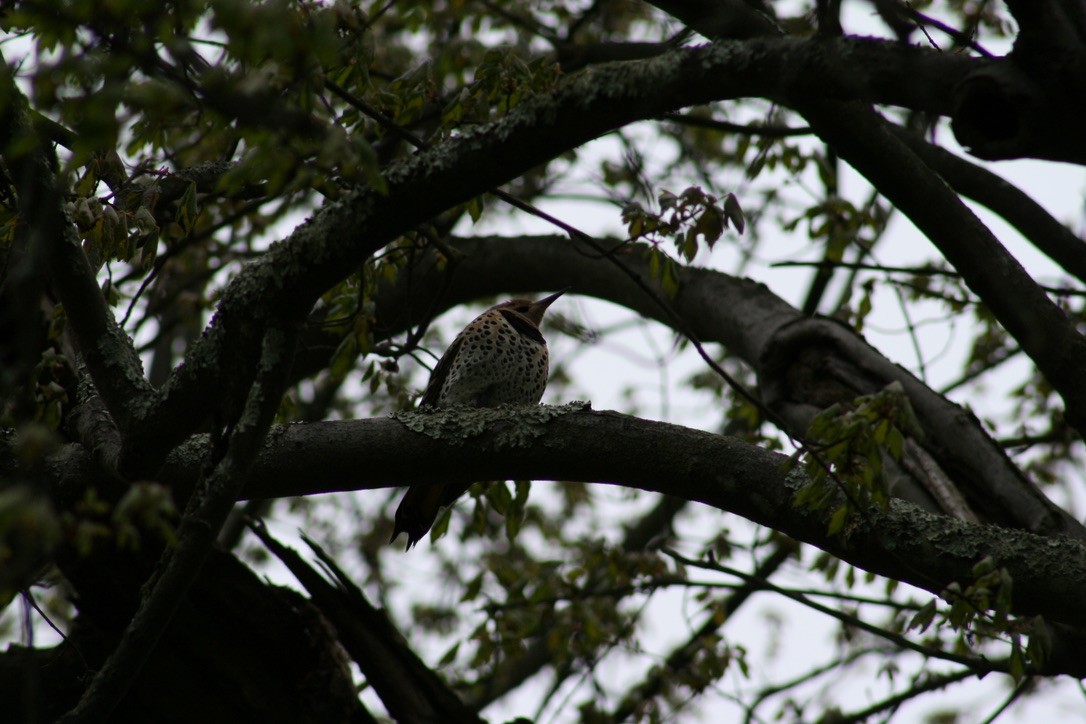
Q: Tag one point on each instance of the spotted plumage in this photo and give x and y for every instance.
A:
(499, 358)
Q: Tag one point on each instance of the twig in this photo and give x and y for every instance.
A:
(687, 119)
(931, 683)
(978, 665)
(684, 654)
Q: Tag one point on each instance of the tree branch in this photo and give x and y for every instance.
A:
(1016, 207)
(206, 512)
(660, 678)
(930, 682)
(979, 664)
(538, 653)
(106, 350)
(1033, 99)
(1043, 330)
(410, 691)
(903, 543)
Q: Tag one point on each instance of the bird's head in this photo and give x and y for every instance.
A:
(532, 311)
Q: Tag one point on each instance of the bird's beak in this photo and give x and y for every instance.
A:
(546, 301)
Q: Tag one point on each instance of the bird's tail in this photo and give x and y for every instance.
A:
(417, 511)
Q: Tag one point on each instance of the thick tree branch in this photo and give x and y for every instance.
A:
(572, 57)
(238, 650)
(410, 691)
(1057, 22)
(903, 543)
(207, 510)
(1016, 207)
(1043, 330)
(1034, 98)
(1019, 108)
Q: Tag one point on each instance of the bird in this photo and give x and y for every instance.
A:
(499, 358)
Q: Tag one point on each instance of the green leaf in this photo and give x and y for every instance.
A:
(343, 359)
(472, 589)
(837, 520)
(923, 618)
(88, 183)
(145, 220)
(1017, 662)
(441, 525)
(895, 443)
(710, 225)
(149, 252)
(500, 497)
(689, 245)
(670, 278)
(513, 523)
(983, 566)
(881, 431)
(514, 516)
(475, 208)
(450, 655)
(188, 210)
(1040, 642)
(734, 213)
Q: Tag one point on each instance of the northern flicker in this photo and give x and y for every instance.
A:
(500, 358)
